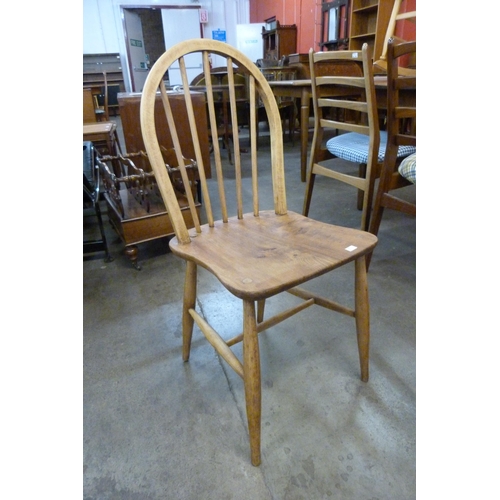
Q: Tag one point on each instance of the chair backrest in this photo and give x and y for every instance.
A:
(106, 96)
(343, 95)
(258, 88)
(401, 114)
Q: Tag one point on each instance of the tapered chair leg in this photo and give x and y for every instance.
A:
(251, 377)
(308, 195)
(261, 305)
(362, 316)
(361, 193)
(189, 303)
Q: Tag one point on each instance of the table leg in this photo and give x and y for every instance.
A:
(304, 132)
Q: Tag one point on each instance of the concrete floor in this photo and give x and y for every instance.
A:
(157, 428)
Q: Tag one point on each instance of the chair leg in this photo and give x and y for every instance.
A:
(376, 219)
(189, 303)
(251, 377)
(362, 316)
(361, 193)
(108, 257)
(308, 195)
(261, 304)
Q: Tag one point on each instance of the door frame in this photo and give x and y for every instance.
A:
(154, 7)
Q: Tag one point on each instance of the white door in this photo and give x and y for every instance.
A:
(138, 63)
(180, 25)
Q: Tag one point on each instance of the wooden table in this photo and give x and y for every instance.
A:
(299, 89)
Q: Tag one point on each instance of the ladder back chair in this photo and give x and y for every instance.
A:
(344, 100)
(343, 95)
(261, 250)
(401, 132)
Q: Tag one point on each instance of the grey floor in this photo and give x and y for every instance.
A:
(158, 428)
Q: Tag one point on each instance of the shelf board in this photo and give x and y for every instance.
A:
(363, 35)
(364, 10)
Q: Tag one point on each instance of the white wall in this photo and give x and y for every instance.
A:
(103, 24)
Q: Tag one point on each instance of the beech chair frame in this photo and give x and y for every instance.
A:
(258, 254)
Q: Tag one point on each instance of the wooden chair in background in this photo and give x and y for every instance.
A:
(254, 255)
(343, 96)
(344, 99)
(97, 128)
(401, 132)
(101, 110)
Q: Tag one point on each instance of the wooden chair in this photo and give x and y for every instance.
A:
(100, 131)
(101, 110)
(401, 132)
(344, 100)
(258, 254)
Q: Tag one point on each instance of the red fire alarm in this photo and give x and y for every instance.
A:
(203, 16)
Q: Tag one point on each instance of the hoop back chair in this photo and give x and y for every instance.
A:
(401, 132)
(258, 254)
(344, 100)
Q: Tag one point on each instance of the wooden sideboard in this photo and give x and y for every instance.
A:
(130, 104)
(135, 208)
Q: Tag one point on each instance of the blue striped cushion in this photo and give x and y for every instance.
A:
(408, 168)
(354, 147)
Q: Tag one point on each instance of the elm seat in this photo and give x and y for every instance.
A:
(256, 254)
(354, 147)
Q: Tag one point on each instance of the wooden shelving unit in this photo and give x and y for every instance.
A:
(94, 65)
(368, 24)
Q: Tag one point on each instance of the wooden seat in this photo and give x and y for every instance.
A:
(401, 132)
(344, 101)
(256, 248)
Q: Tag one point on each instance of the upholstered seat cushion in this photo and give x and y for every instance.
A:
(408, 168)
(354, 147)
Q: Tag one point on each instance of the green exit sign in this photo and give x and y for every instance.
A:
(135, 43)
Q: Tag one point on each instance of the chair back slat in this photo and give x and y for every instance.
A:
(334, 91)
(230, 180)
